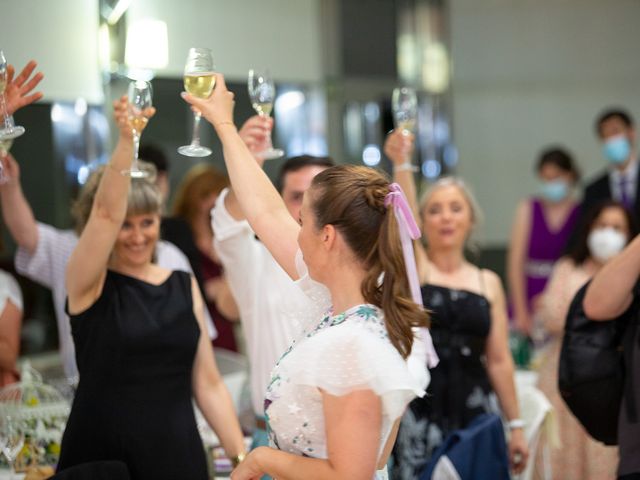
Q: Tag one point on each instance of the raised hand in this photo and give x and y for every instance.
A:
(399, 146)
(218, 108)
(122, 117)
(255, 134)
(17, 92)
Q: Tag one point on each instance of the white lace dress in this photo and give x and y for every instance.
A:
(339, 354)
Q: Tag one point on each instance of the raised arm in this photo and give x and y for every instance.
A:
(258, 198)
(399, 148)
(516, 258)
(88, 263)
(16, 211)
(17, 92)
(611, 291)
(255, 134)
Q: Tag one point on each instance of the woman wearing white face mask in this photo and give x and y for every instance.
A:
(606, 230)
(541, 228)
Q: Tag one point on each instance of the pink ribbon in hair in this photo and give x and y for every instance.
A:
(409, 231)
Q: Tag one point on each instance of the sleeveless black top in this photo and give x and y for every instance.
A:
(459, 389)
(135, 348)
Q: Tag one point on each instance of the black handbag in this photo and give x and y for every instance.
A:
(591, 376)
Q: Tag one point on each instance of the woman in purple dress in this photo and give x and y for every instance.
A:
(540, 231)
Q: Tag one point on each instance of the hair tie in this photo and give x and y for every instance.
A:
(409, 231)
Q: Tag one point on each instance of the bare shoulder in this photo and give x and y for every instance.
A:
(493, 284)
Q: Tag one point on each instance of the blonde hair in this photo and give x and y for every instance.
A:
(477, 217)
(200, 182)
(144, 196)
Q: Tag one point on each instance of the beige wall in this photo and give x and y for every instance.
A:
(528, 73)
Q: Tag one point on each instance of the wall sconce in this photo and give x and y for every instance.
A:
(147, 48)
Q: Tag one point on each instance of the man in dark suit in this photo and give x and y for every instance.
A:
(616, 131)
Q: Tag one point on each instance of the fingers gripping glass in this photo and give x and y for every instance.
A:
(199, 80)
(262, 92)
(8, 130)
(404, 104)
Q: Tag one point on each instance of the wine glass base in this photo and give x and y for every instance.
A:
(194, 151)
(271, 153)
(135, 173)
(11, 133)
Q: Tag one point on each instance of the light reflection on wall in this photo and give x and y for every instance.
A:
(80, 138)
(301, 121)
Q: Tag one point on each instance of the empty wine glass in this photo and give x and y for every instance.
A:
(11, 440)
(404, 104)
(139, 94)
(9, 129)
(262, 92)
(199, 80)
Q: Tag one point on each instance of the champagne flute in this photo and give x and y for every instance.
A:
(199, 80)
(404, 104)
(12, 441)
(139, 94)
(9, 129)
(262, 92)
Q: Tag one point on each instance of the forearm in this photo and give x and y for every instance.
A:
(8, 355)
(18, 217)
(517, 290)
(610, 292)
(252, 189)
(287, 466)
(111, 197)
(501, 375)
(406, 179)
(217, 407)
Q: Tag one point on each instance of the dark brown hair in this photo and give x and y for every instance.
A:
(351, 198)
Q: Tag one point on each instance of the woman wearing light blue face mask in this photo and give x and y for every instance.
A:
(604, 233)
(541, 228)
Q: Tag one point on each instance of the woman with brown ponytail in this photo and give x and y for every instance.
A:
(469, 325)
(338, 391)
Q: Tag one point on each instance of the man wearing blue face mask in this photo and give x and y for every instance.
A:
(616, 131)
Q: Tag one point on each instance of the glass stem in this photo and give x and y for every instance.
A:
(5, 113)
(136, 147)
(195, 140)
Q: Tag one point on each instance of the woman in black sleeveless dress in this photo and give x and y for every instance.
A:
(469, 327)
(137, 329)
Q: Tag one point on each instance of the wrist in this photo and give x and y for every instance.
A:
(516, 424)
(405, 166)
(239, 458)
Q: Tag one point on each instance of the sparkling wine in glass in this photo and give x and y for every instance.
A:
(139, 94)
(262, 92)
(8, 130)
(404, 104)
(199, 80)
(12, 441)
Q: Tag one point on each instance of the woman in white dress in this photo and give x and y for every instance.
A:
(337, 393)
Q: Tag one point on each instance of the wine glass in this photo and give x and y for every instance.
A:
(139, 94)
(11, 440)
(404, 104)
(199, 80)
(9, 129)
(262, 92)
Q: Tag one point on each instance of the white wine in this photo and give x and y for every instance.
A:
(138, 123)
(5, 145)
(200, 84)
(263, 108)
(407, 125)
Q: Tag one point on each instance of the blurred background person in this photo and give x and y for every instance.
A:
(541, 228)
(195, 197)
(617, 134)
(468, 326)
(607, 228)
(10, 323)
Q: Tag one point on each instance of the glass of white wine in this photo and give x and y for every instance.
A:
(404, 105)
(139, 94)
(8, 130)
(262, 92)
(199, 80)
